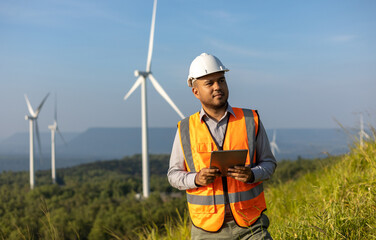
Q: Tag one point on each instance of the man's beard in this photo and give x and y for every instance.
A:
(220, 106)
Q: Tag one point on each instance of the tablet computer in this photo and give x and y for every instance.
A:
(228, 158)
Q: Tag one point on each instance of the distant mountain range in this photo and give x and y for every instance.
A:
(115, 143)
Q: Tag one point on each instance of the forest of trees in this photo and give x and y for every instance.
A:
(99, 200)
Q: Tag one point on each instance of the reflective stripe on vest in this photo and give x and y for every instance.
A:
(186, 143)
(220, 199)
(251, 133)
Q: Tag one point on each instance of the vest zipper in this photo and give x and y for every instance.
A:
(227, 200)
(225, 190)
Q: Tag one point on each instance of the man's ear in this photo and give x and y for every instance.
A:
(195, 92)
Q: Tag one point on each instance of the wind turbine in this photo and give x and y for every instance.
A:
(141, 80)
(32, 117)
(362, 133)
(273, 144)
(54, 128)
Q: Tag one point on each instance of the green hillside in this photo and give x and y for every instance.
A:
(92, 201)
(336, 202)
(331, 198)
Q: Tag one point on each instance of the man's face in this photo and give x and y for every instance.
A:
(211, 90)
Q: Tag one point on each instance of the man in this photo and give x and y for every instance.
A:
(230, 207)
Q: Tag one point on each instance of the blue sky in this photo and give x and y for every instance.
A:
(300, 63)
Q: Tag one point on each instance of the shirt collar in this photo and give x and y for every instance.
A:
(228, 110)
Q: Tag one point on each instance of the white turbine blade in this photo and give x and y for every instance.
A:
(151, 40)
(364, 134)
(164, 95)
(41, 104)
(135, 85)
(272, 148)
(274, 136)
(276, 147)
(55, 108)
(38, 140)
(61, 135)
(31, 111)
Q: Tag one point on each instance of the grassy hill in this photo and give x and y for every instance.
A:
(337, 202)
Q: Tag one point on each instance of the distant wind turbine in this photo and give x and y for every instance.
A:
(54, 128)
(32, 117)
(141, 80)
(273, 144)
(362, 133)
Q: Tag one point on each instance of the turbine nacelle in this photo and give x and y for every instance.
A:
(53, 127)
(27, 117)
(138, 73)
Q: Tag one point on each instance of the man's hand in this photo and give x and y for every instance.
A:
(243, 174)
(206, 176)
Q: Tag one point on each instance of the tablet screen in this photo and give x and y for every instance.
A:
(227, 159)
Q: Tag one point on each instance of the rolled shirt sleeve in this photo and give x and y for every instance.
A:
(177, 174)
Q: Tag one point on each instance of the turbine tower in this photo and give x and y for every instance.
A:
(54, 128)
(32, 117)
(141, 80)
(362, 133)
(273, 144)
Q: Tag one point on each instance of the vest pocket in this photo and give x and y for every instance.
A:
(201, 200)
(204, 147)
(204, 151)
(202, 209)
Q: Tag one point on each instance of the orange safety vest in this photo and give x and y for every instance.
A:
(207, 203)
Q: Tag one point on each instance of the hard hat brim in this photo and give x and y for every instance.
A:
(189, 79)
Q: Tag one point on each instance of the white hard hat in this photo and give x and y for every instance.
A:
(204, 64)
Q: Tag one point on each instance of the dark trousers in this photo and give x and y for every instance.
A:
(230, 230)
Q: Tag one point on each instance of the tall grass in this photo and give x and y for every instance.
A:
(338, 202)
(173, 230)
